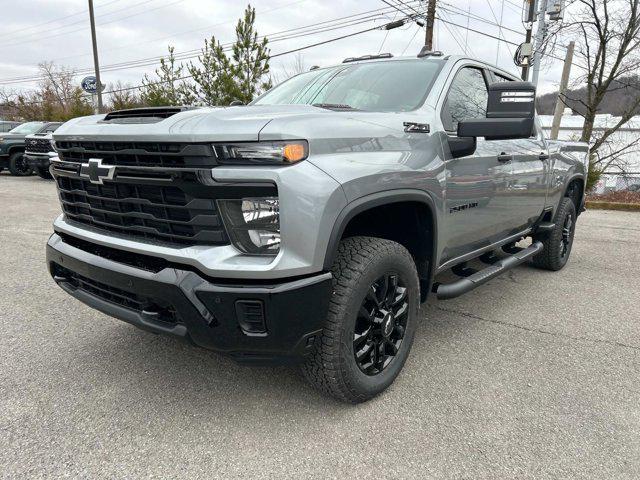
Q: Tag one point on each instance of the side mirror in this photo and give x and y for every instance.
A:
(236, 103)
(510, 113)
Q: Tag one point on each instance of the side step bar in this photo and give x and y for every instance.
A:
(446, 291)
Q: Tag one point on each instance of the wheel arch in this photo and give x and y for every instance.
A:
(423, 246)
(575, 190)
(15, 149)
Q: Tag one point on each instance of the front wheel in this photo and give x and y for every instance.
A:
(18, 166)
(371, 323)
(559, 241)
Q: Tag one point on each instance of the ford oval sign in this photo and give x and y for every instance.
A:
(89, 84)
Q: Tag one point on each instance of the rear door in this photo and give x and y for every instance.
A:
(477, 210)
(526, 188)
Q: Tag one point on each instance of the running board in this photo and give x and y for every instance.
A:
(452, 290)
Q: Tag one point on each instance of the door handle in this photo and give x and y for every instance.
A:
(504, 157)
(543, 156)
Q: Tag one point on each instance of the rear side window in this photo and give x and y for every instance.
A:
(500, 78)
(467, 98)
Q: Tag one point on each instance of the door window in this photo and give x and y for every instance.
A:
(467, 98)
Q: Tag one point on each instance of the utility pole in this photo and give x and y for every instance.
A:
(564, 82)
(540, 36)
(96, 63)
(529, 19)
(431, 18)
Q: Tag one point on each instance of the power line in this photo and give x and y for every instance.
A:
(306, 47)
(184, 32)
(40, 38)
(458, 11)
(38, 25)
(329, 25)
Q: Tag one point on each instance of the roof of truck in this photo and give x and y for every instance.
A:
(437, 57)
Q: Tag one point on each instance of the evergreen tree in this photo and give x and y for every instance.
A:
(169, 88)
(220, 80)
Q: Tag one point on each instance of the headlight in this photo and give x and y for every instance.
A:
(53, 145)
(269, 153)
(253, 224)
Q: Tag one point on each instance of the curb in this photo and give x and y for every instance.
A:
(627, 207)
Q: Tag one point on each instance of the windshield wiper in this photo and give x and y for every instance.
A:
(334, 106)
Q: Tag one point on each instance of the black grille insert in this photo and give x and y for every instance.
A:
(132, 301)
(138, 154)
(37, 145)
(163, 213)
(143, 262)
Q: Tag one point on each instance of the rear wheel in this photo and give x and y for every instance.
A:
(18, 166)
(43, 172)
(559, 241)
(371, 322)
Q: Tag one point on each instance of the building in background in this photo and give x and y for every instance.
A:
(627, 169)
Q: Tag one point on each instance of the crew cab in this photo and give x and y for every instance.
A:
(310, 225)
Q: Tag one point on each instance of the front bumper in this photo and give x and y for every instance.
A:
(182, 303)
(38, 160)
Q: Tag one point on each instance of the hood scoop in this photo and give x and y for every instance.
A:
(143, 115)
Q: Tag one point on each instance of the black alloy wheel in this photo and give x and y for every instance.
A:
(380, 324)
(18, 165)
(558, 242)
(566, 239)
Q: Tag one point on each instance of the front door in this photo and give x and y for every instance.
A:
(477, 208)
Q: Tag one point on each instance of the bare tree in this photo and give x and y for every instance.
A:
(607, 35)
(58, 97)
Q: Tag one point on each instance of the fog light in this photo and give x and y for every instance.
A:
(253, 224)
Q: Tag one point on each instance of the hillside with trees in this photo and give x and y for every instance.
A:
(620, 94)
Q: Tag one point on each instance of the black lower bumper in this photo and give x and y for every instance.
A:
(256, 323)
(41, 161)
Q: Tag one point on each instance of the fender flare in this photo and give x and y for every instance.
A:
(376, 200)
(571, 178)
(15, 148)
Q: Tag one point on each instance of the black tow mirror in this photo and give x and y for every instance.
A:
(510, 113)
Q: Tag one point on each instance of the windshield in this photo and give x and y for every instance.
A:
(27, 128)
(376, 87)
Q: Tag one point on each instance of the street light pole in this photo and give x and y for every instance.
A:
(96, 63)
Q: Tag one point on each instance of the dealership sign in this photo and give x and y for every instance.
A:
(89, 84)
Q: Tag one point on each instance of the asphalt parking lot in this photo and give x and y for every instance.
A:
(535, 375)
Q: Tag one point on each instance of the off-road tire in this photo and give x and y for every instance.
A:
(554, 256)
(332, 367)
(43, 172)
(17, 167)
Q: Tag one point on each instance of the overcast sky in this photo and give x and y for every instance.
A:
(34, 31)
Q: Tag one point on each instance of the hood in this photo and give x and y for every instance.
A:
(11, 136)
(242, 123)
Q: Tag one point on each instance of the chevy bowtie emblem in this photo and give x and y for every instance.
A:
(95, 172)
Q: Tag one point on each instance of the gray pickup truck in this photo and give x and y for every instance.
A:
(309, 225)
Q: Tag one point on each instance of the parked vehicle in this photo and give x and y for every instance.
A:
(309, 225)
(5, 126)
(39, 149)
(634, 188)
(12, 147)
